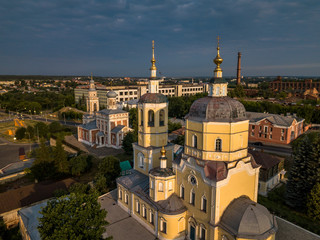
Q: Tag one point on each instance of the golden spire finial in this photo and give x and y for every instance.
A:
(163, 152)
(218, 60)
(153, 60)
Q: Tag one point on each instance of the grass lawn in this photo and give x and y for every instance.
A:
(275, 202)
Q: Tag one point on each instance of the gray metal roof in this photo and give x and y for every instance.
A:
(111, 111)
(100, 134)
(217, 109)
(172, 205)
(117, 128)
(134, 179)
(244, 218)
(30, 217)
(90, 125)
(273, 118)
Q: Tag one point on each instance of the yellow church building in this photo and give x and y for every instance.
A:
(210, 190)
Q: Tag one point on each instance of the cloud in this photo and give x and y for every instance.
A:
(185, 31)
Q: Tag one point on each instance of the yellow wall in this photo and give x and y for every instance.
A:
(156, 136)
(157, 195)
(175, 225)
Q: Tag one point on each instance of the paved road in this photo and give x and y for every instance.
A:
(9, 152)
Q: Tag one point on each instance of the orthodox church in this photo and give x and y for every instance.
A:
(208, 191)
(104, 128)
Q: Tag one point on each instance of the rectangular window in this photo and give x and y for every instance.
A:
(270, 136)
(265, 136)
(164, 227)
(138, 207)
(204, 204)
(282, 138)
(144, 212)
(193, 198)
(259, 134)
(282, 131)
(152, 184)
(202, 233)
(182, 192)
(271, 129)
(126, 198)
(120, 194)
(265, 129)
(151, 218)
(252, 133)
(252, 127)
(260, 128)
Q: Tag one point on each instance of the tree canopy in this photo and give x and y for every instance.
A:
(76, 216)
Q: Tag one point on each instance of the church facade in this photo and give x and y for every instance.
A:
(208, 191)
(104, 128)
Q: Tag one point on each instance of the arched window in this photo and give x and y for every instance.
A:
(160, 187)
(194, 141)
(141, 117)
(140, 160)
(202, 232)
(161, 118)
(170, 186)
(94, 107)
(224, 91)
(151, 118)
(218, 145)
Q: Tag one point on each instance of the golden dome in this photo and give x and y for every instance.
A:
(163, 152)
(218, 60)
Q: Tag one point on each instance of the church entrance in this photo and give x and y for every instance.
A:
(192, 233)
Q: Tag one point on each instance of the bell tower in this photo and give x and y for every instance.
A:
(92, 100)
(218, 86)
(152, 126)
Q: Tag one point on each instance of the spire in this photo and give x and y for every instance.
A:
(92, 86)
(163, 158)
(153, 61)
(218, 60)
(218, 86)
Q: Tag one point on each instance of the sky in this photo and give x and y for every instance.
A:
(113, 37)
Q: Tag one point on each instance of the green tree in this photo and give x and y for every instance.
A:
(60, 157)
(78, 165)
(173, 126)
(55, 127)
(304, 173)
(78, 216)
(100, 183)
(313, 203)
(127, 141)
(30, 132)
(43, 153)
(41, 129)
(43, 171)
(133, 119)
(179, 140)
(20, 133)
(109, 167)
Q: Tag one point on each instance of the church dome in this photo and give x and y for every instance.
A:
(111, 94)
(153, 98)
(217, 109)
(244, 218)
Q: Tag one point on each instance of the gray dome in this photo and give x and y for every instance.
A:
(247, 219)
(111, 94)
(217, 109)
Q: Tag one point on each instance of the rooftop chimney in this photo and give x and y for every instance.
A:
(239, 69)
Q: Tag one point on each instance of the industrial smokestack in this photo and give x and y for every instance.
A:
(239, 69)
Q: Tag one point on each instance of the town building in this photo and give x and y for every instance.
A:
(271, 171)
(104, 128)
(210, 190)
(296, 86)
(127, 93)
(274, 128)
